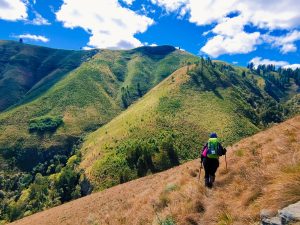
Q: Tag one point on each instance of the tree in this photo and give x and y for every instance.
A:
(250, 66)
(21, 40)
(38, 192)
(67, 182)
(139, 90)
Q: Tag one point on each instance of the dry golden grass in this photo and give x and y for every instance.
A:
(266, 175)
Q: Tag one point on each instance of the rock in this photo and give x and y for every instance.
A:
(271, 221)
(287, 215)
(290, 213)
(266, 213)
(266, 217)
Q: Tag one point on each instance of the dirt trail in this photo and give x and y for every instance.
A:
(260, 167)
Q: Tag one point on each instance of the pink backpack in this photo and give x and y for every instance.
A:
(204, 152)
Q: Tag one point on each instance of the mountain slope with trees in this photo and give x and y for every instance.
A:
(169, 125)
(147, 119)
(259, 177)
(39, 136)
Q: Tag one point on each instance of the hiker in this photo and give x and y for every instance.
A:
(210, 154)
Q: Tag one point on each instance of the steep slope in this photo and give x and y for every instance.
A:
(168, 125)
(40, 149)
(87, 98)
(259, 176)
(27, 71)
(40, 133)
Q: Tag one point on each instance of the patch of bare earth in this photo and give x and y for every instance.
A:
(263, 173)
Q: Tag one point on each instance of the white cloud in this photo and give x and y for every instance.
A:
(170, 5)
(13, 10)
(38, 20)
(231, 38)
(230, 26)
(128, 2)
(110, 24)
(285, 42)
(208, 11)
(292, 66)
(222, 44)
(87, 48)
(259, 61)
(267, 14)
(32, 37)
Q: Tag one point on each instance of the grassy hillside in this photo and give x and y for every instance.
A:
(38, 136)
(258, 177)
(44, 162)
(87, 98)
(172, 121)
(27, 71)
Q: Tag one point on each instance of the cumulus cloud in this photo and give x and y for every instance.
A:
(128, 2)
(170, 5)
(292, 66)
(286, 43)
(39, 20)
(109, 24)
(13, 10)
(260, 61)
(221, 44)
(267, 14)
(33, 37)
(231, 38)
(87, 48)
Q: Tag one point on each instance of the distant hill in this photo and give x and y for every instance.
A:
(27, 71)
(259, 176)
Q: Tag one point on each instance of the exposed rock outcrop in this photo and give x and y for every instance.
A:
(288, 215)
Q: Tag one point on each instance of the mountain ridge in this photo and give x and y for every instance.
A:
(121, 115)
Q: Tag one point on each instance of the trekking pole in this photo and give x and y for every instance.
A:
(200, 172)
(226, 161)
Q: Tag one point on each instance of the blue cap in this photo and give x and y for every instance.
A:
(213, 135)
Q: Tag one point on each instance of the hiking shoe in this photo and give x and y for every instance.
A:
(206, 181)
(212, 179)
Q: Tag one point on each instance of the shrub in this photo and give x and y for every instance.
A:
(2, 194)
(169, 105)
(45, 123)
(168, 221)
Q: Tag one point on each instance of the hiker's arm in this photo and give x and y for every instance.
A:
(223, 150)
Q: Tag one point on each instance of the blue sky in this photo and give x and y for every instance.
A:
(236, 31)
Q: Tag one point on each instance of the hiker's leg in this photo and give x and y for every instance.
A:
(206, 169)
(214, 167)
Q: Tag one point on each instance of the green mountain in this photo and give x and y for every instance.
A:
(170, 123)
(27, 71)
(85, 99)
(94, 119)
